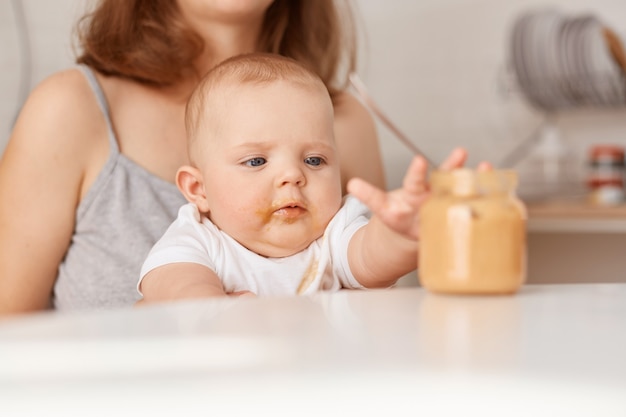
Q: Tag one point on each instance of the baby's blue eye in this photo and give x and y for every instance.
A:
(256, 162)
(313, 160)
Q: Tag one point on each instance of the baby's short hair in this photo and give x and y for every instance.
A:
(254, 68)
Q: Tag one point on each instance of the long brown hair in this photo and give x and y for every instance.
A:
(148, 41)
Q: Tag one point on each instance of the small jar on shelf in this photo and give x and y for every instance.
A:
(606, 175)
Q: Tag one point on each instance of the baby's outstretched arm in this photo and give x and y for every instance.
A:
(385, 249)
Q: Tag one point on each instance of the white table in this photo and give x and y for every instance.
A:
(553, 350)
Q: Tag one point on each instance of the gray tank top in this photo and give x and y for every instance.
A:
(124, 213)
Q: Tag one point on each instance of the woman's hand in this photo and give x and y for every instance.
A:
(242, 294)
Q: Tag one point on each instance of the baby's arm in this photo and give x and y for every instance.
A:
(385, 249)
(181, 280)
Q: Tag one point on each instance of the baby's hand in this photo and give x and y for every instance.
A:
(399, 209)
(457, 158)
(241, 294)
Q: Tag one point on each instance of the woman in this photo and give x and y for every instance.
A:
(87, 179)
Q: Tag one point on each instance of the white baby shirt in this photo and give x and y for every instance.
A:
(194, 238)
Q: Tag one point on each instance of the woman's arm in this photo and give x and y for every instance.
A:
(43, 174)
(357, 140)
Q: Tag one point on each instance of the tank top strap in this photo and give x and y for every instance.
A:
(102, 103)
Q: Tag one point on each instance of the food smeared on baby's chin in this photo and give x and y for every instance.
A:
(281, 211)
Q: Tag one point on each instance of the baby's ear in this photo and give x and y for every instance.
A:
(190, 183)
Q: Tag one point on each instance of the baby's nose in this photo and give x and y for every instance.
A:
(292, 175)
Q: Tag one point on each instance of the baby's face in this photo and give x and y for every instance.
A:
(270, 166)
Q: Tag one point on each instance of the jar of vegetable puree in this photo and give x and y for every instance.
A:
(472, 233)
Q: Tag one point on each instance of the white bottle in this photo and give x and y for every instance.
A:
(550, 171)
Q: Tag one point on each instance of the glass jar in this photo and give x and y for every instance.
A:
(606, 175)
(473, 233)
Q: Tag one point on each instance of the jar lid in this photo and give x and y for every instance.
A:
(466, 181)
(607, 151)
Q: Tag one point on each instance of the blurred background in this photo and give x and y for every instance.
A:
(448, 73)
(441, 69)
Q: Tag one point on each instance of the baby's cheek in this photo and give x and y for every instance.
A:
(263, 215)
(321, 217)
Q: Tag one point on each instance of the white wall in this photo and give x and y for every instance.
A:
(435, 67)
(48, 25)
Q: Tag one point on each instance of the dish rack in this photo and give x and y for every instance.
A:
(561, 62)
(556, 63)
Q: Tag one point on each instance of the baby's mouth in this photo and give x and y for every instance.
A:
(290, 211)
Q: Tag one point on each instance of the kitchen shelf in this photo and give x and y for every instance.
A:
(575, 217)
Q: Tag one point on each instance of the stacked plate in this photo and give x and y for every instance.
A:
(566, 61)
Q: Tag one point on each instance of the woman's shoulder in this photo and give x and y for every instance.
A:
(347, 104)
(357, 139)
(61, 123)
(64, 88)
(352, 115)
(63, 102)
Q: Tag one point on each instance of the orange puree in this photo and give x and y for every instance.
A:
(473, 234)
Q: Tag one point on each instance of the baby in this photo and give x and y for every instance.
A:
(266, 214)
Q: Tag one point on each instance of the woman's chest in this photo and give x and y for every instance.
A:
(150, 130)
